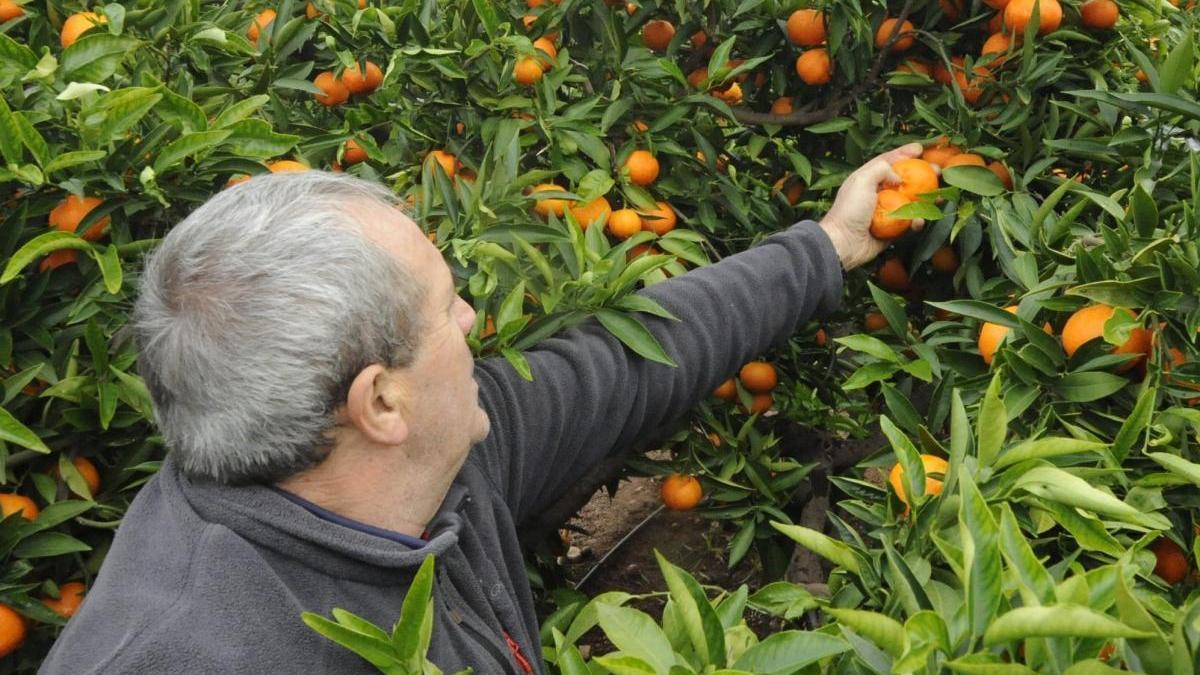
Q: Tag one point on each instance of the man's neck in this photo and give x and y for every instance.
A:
(376, 489)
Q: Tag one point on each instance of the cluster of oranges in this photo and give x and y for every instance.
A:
(1082, 327)
(757, 377)
(70, 594)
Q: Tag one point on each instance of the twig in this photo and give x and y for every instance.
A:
(604, 558)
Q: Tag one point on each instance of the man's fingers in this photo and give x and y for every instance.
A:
(877, 171)
(903, 152)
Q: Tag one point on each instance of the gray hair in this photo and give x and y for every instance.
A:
(255, 315)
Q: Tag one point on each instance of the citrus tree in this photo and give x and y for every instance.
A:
(1035, 341)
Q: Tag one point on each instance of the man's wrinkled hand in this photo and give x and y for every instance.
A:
(848, 222)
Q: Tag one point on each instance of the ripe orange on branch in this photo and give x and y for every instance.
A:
(806, 28)
(940, 152)
(10, 10)
(12, 630)
(814, 67)
(1099, 14)
(548, 205)
(893, 275)
(12, 503)
(1018, 13)
(353, 153)
(681, 493)
(904, 40)
(260, 22)
(965, 159)
(70, 597)
(727, 390)
(71, 211)
(660, 220)
(642, 168)
(944, 260)
(333, 91)
(624, 223)
(362, 79)
(758, 377)
(782, 106)
(80, 23)
(1170, 562)
(447, 161)
(1087, 324)
(933, 464)
(527, 71)
(597, 211)
(657, 34)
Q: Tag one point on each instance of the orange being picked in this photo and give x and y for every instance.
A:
(11, 503)
(70, 597)
(624, 223)
(1087, 324)
(681, 493)
(642, 167)
(80, 23)
(596, 212)
(1170, 562)
(657, 34)
(260, 22)
(10, 10)
(12, 630)
(883, 225)
(555, 205)
(940, 152)
(904, 40)
(814, 67)
(1099, 14)
(71, 211)
(758, 377)
(659, 221)
(447, 161)
(944, 260)
(806, 27)
(333, 91)
(965, 159)
(362, 79)
(917, 177)
(727, 390)
(527, 71)
(1018, 13)
(933, 464)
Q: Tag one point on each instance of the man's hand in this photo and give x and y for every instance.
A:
(848, 223)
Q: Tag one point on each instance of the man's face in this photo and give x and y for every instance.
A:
(438, 389)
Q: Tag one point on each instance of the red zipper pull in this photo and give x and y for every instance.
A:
(516, 652)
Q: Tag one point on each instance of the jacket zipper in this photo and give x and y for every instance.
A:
(457, 617)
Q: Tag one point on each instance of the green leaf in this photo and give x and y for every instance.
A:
(982, 311)
(185, 146)
(891, 310)
(636, 634)
(95, 57)
(60, 512)
(699, 618)
(974, 179)
(10, 135)
(1057, 485)
(180, 112)
(12, 431)
(48, 544)
(377, 652)
(790, 651)
(239, 111)
(1153, 651)
(634, 335)
(1065, 620)
(1177, 465)
(1045, 447)
(1178, 68)
(1135, 424)
(830, 549)
(74, 158)
(741, 543)
(869, 374)
(918, 210)
(254, 138)
(992, 424)
(624, 665)
(1089, 386)
(980, 538)
(32, 139)
(15, 57)
(111, 115)
(1037, 586)
(410, 637)
(109, 261)
(1145, 212)
(783, 599)
(870, 346)
(883, 630)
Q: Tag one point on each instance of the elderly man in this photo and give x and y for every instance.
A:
(304, 345)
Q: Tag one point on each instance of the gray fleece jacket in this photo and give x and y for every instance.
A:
(205, 578)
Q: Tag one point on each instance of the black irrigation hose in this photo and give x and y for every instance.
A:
(599, 563)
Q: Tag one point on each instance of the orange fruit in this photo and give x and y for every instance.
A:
(995, 24)
(965, 159)
(555, 205)
(821, 338)
(942, 74)
(998, 44)
(286, 166)
(990, 336)
(657, 34)
(56, 259)
(353, 153)
(699, 39)
(720, 163)
(791, 187)
(362, 79)
(933, 486)
(892, 275)
(12, 630)
(1170, 562)
(311, 11)
(642, 168)
(806, 27)
(87, 469)
(727, 390)
(904, 41)
(1087, 324)
(758, 377)
(11, 503)
(972, 89)
(915, 66)
(624, 223)
(814, 67)
(640, 126)
(538, 3)
(639, 251)
(596, 211)
(1017, 14)
(80, 23)
(335, 93)
(260, 22)
(681, 493)
(952, 9)
(759, 404)
(944, 260)
(697, 77)
(10, 10)
(874, 321)
(731, 95)
(551, 51)
(527, 71)
(447, 161)
(659, 221)
(997, 167)
(71, 211)
(884, 226)
(916, 177)
(782, 106)
(1099, 14)
(940, 152)
(70, 597)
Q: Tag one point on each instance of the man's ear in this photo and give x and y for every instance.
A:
(373, 407)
